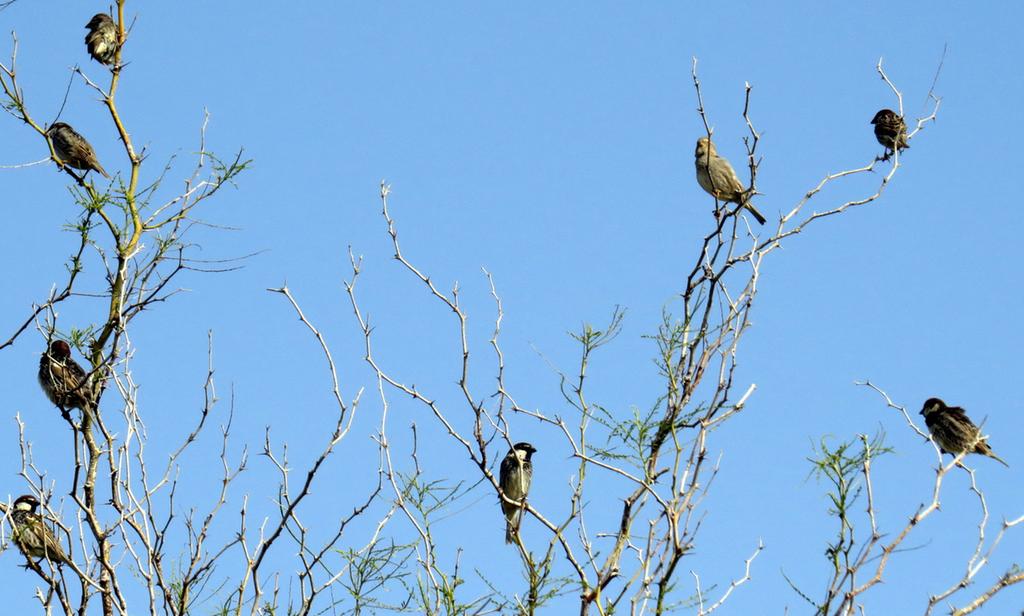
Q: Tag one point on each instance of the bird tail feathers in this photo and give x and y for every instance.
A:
(512, 526)
(753, 212)
(997, 459)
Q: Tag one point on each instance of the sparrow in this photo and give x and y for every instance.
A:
(63, 381)
(101, 41)
(953, 431)
(72, 149)
(30, 533)
(515, 475)
(890, 130)
(717, 177)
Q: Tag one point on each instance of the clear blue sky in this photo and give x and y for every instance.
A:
(553, 145)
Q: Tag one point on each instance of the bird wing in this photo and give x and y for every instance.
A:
(514, 483)
(961, 415)
(725, 178)
(506, 474)
(36, 535)
(70, 380)
(54, 550)
(73, 375)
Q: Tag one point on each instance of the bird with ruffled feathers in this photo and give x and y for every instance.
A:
(890, 131)
(953, 431)
(101, 40)
(63, 380)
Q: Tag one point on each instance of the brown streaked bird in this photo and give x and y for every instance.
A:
(717, 177)
(31, 534)
(890, 130)
(953, 431)
(72, 149)
(514, 476)
(101, 41)
(63, 381)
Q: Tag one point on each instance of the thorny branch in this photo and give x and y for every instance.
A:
(844, 593)
(660, 457)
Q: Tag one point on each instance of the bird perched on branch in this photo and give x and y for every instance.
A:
(72, 149)
(515, 475)
(716, 176)
(890, 131)
(101, 41)
(63, 380)
(953, 431)
(30, 533)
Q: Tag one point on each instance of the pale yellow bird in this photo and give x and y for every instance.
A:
(716, 176)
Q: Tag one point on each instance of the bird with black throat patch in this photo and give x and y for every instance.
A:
(31, 534)
(514, 476)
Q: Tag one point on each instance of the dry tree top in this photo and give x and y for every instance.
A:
(134, 546)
